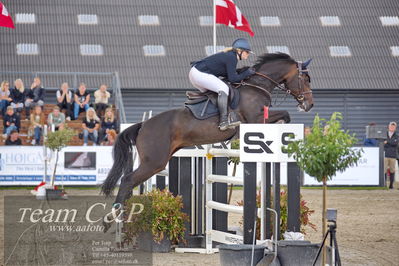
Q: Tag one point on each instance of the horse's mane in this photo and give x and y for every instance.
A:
(268, 58)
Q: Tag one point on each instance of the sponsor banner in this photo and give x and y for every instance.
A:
(25, 165)
(265, 142)
(365, 173)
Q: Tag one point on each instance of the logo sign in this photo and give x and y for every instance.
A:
(265, 142)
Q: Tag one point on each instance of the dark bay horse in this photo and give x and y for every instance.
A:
(159, 137)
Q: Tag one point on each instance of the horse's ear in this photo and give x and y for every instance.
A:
(306, 63)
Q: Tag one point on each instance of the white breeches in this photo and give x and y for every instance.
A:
(204, 81)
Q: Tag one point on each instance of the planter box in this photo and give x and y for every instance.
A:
(292, 252)
(239, 255)
(145, 242)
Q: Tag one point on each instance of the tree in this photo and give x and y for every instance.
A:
(55, 142)
(324, 152)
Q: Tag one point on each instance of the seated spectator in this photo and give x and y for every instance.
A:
(36, 124)
(65, 100)
(111, 137)
(101, 100)
(91, 124)
(13, 139)
(34, 96)
(56, 120)
(11, 121)
(108, 123)
(4, 97)
(17, 95)
(82, 99)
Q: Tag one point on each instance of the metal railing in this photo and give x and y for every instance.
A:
(53, 80)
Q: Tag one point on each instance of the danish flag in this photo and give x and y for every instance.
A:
(5, 18)
(227, 13)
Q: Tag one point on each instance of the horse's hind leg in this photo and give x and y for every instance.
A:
(150, 164)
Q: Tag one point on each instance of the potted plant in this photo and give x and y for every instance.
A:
(55, 141)
(160, 224)
(304, 217)
(326, 150)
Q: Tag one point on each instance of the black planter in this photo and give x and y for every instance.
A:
(239, 255)
(145, 242)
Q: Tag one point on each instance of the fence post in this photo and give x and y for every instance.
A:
(249, 201)
(293, 204)
(276, 200)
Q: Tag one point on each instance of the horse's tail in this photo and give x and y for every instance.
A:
(123, 157)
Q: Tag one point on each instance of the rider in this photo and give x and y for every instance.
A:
(204, 75)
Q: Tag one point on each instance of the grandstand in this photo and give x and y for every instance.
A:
(354, 46)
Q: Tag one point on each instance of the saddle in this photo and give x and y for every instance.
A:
(203, 105)
(194, 97)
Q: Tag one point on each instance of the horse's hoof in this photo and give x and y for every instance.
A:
(107, 226)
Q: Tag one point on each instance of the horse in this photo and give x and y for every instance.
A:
(158, 138)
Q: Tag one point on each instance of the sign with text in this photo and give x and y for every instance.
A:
(264, 142)
(24, 165)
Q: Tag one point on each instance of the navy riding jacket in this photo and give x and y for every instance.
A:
(391, 147)
(222, 64)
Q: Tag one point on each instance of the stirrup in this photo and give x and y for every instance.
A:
(233, 120)
(224, 125)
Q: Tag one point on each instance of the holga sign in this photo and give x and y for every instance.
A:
(264, 142)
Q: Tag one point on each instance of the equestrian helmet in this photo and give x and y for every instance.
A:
(242, 44)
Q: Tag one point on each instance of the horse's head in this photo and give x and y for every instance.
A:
(280, 69)
(297, 83)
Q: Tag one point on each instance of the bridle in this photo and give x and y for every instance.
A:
(300, 97)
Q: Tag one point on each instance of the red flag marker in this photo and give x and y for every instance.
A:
(227, 13)
(265, 113)
(5, 18)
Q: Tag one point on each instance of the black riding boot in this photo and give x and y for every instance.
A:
(222, 105)
(391, 180)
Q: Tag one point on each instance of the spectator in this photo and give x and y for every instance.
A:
(18, 95)
(34, 96)
(82, 99)
(65, 100)
(91, 124)
(108, 123)
(111, 137)
(101, 100)
(13, 139)
(370, 142)
(391, 149)
(4, 97)
(56, 120)
(36, 124)
(11, 121)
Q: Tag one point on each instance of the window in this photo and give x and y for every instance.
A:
(91, 49)
(85, 19)
(278, 49)
(269, 21)
(209, 49)
(154, 50)
(148, 20)
(340, 51)
(27, 49)
(390, 21)
(206, 21)
(395, 50)
(330, 21)
(25, 18)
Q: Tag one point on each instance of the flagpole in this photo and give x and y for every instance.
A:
(214, 26)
